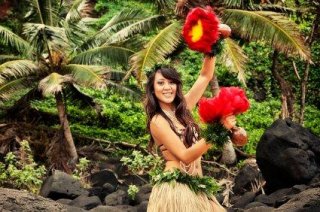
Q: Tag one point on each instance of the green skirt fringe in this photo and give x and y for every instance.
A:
(178, 197)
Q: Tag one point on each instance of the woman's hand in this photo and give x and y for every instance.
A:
(239, 136)
(229, 122)
(224, 30)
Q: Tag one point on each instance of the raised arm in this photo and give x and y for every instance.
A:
(198, 88)
(163, 134)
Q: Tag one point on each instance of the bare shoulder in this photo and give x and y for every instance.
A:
(159, 125)
(158, 120)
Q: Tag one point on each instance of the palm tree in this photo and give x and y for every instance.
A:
(59, 51)
(248, 21)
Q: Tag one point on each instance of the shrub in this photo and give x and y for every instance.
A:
(132, 191)
(140, 164)
(81, 172)
(21, 171)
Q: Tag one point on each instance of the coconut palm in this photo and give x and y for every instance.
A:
(248, 21)
(59, 51)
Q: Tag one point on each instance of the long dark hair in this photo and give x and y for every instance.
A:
(183, 115)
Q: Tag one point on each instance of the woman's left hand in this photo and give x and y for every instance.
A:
(224, 30)
(239, 136)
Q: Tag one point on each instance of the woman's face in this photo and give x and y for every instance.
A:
(164, 89)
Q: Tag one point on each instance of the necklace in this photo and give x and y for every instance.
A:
(187, 168)
(171, 115)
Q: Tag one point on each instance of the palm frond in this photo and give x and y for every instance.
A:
(126, 23)
(5, 58)
(140, 26)
(239, 4)
(74, 12)
(104, 55)
(184, 6)
(234, 58)
(7, 37)
(9, 88)
(115, 75)
(17, 69)
(164, 43)
(271, 27)
(73, 92)
(42, 36)
(23, 103)
(76, 33)
(39, 6)
(87, 75)
(121, 89)
(124, 18)
(162, 5)
(47, 11)
(53, 83)
(275, 8)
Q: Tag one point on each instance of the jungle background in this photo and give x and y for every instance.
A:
(72, 75)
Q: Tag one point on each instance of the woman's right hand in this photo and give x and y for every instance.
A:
(229, 122)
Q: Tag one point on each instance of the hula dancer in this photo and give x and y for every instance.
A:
(181, 187)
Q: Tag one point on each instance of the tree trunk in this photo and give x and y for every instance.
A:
(229, 155)
(66, 128)
(214, 83)
(287, 97)
(304, 80)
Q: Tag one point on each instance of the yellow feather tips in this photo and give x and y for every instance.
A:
(196, 31)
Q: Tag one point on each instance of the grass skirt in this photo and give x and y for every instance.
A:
(178, 197)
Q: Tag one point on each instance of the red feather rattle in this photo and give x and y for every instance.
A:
(229, 102)
(202, 29)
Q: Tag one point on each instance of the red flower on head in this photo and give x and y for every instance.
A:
(200, 30)
(229, 101)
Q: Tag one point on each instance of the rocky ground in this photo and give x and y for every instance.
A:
(285, 177)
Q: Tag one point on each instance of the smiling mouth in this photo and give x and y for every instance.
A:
(167, 94)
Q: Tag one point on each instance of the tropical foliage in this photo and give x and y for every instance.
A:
(21, 171)
(248, 21)
(59, 51)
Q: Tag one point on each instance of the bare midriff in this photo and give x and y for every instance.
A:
(172, 165)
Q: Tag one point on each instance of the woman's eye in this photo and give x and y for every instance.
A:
(160, 83)
(172, 83)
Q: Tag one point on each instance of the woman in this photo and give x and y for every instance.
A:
(174, 131)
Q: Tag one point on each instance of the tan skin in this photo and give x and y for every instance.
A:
(160, 128)
(164, 136)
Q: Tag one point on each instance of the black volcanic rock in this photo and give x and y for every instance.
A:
(287, 155)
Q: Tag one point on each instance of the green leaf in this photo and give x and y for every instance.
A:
(108, 54)
(164, 43)
(43, 36)
(74, 12)
(271, 27)
(7, 37)
(123, 25)
(5, 58)
(53, 83)
(9, 88)
(17, 68)
(143, 25)
(234, 57)
(87, 75)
